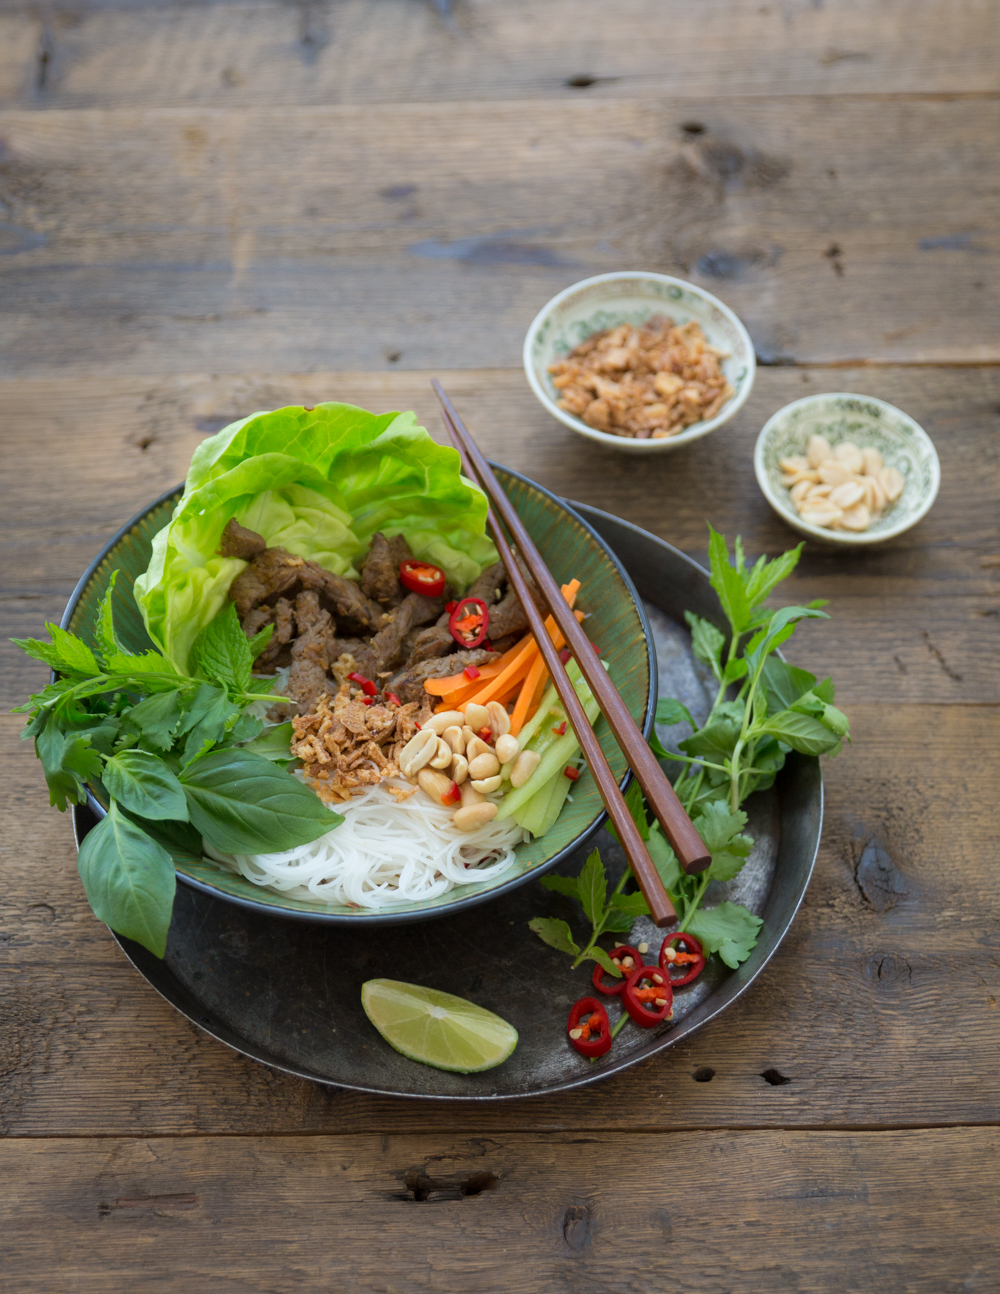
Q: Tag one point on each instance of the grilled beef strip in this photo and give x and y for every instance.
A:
(408, 684)
(386, 647)
(380, 573)
(238, 541)
(276, 571)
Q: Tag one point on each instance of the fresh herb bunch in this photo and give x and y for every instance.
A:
(739, 749)
(177, 757)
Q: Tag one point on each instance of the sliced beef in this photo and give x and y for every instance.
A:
(276, 653)
(386, 648)
(491, 580)
(430, 644)
(408, 684)
(237, 541)
(507, 616)
(380, 573)
(276, 571)
(313, 652)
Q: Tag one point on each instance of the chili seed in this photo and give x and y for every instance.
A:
(642, 948)
(575, 1033)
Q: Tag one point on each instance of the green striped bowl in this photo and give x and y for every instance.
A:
(617, 623)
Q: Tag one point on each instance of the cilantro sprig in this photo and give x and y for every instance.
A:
(764, 708)
(178, 757)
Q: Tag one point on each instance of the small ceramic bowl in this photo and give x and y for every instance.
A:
(633, 296)
(868, 422)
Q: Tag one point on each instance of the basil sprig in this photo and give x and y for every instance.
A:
(168, 750)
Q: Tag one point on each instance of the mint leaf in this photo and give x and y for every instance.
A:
(735, 669)
(603, 960)
(129, 880)
(633, 905)
(242, 804)
(66, 653)
(727, 583)
(728, 929)
(155, 718)
(664, 859)
(145, 785)
(618, 923)
(593, 888)
(766, 576)
(206, 719)
(555, 933)
(670, 712)
(803, 733)
(706, 642)
(222, 651)
(259, 641)
(568, 885)
(125, 665)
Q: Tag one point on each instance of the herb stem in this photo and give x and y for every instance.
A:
(619, 1024)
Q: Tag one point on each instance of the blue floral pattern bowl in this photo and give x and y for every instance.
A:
(633, 296)
(866, 421)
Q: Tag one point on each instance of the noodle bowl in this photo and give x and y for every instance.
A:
(385, 851)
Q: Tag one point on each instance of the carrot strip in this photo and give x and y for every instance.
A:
(536, 674)
(458, 682)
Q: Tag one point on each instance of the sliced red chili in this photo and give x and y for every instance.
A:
(693, 956)
(618, 955)
(422, 577)
(648, 1005)
(393, 698)
(452, 795)
(469, 622)
(564, 655)
(365, 684)
(450, 607)
(571, 772)
(588, 1020)
(560, 729)
(470, 672)
(486, 734)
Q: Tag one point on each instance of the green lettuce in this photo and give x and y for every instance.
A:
(318, 482)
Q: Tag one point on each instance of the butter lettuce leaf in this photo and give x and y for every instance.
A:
(318, 482)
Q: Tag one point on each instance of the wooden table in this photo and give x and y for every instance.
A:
(211, 209)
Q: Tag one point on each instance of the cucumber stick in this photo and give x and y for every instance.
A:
(554, 759)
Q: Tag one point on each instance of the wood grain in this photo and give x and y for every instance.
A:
(892, 968)
(379, 51)
(307, 239)
(805, 1211)
(913, 620)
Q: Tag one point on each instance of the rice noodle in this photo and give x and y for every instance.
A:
(384, 852)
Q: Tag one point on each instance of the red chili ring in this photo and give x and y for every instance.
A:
(693, 947)
(636, 1008)
(613, 988)
(597, 1044)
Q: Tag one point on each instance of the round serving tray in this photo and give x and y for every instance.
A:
(288, 993)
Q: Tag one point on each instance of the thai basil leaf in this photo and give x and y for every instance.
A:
(555, 933)
(670, 711)
(779, 629)
(618, 923)
(129, 880)
(145, 785)
(242, 804)
(179, 839)
(633, 905)
(222, 652)
(728, 583)
(803, 733)
(706, 642)
(716, 741)
(68, 761)
(766, 576)
(246, 729)
(273, 743)
(568, 885)
(784, 683)
(206, 720)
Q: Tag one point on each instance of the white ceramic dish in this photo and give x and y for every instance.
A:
(867, 421)
(633, 296)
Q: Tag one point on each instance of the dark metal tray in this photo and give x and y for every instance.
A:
(288, 993)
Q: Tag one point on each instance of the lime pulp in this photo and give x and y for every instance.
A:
(437, 1028)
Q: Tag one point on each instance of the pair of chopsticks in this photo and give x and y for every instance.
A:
(660, 795)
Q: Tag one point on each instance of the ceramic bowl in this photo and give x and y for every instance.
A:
(633, 296)
(617, 623)
(868, 422)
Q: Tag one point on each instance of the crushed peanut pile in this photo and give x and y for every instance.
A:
(648, 382)
(347, 745)
(843, 487)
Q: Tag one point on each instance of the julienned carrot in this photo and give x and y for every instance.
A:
(460, 683)
(514, 674)
(535, 678)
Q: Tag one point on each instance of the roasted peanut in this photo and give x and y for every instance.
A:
(469, 794)
(477, 747)
(486, 765)
(437, 785)
(499, 719)
(477, 716)
(417, 752)
(856, 486)
(525, 764)
(453, 736)
(438, 722)
(442, 756)
(459, 769)
(817, 449)
(471, 817)
(506, 748)
(487, 784)
(467, 733)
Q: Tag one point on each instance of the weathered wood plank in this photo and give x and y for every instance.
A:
(915, 620)
(409, 51)
(878, 1009)
(317, 238)
(810, 1211)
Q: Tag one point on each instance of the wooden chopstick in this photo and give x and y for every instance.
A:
(645, 872)
(660, 795)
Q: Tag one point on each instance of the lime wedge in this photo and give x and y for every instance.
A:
(437, 1028)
